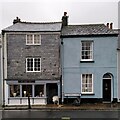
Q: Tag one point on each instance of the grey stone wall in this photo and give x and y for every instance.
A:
(18, 51)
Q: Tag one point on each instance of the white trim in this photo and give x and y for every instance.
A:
(86, 59)
(33, 64)
(91, 50)
(5, 56)
(109, 75)
(112, 85)
(92, 84)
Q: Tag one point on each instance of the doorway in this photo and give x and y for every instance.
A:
(107, 87)
(52, 90)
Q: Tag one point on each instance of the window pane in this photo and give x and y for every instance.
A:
(29, 64)
(107, 76)
(86, 52)
(29, 39)
(37, 64)
(14, 90)
(26, 90)
(37, 39)
(39, 90)
(87, 83)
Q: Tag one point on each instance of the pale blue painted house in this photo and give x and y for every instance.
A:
(89, 63)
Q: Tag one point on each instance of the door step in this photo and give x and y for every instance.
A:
(106, 102)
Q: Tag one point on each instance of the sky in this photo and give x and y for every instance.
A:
(79, 11)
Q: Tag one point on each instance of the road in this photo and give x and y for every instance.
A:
(63, 114)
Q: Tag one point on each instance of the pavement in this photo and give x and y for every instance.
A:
(83, 106)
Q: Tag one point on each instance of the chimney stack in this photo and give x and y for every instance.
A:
(65, 19)
(109, 25)
(16, 20)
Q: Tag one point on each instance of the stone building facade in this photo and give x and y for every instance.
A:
(31, 62)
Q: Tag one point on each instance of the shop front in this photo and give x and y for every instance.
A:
(40, 92)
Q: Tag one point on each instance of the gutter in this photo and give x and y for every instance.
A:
(89, 35)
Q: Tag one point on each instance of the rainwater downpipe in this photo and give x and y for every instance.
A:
(3, 69)
(62, 63)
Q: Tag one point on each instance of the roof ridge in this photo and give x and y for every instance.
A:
(86, 24)
(39, 22)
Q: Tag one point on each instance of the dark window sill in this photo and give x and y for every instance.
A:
(88, 94)
(87, 61)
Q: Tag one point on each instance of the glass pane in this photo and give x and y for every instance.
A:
(39, 90)
(29, 64)
(29, 39)
(36, 39)
(86, 50)
(14, 90)
(107, 76)
(26, 90)
(86, 82)
(37, 64)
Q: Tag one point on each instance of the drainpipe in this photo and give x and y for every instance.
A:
(3, 91)
(62, 59)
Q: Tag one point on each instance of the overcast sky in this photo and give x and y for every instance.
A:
(79, 11)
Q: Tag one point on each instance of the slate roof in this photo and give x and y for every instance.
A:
(117, 31)
(90, 29)
(31, 27)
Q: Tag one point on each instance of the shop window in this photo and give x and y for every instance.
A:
(39, 90)
(26, 90)
(14, 90)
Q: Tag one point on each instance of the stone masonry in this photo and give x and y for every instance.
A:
(18, 51)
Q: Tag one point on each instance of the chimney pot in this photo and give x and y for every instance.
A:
(108, 25)
(65, 13)
(16, 20)
(111, 25)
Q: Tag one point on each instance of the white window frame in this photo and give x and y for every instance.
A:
(33, 64)
(92, 84)
(33, 40)
(91, 41)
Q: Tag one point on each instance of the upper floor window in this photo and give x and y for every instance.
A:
(86, 50)
(33, 39)
(87, 83)
(33, 64)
